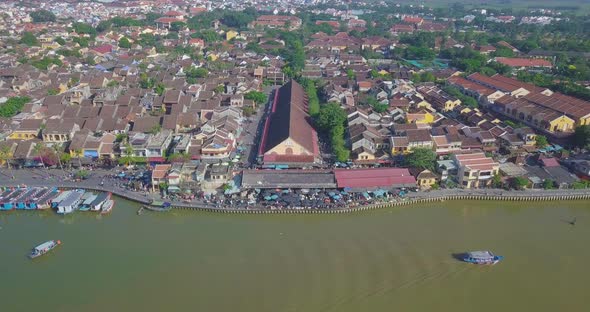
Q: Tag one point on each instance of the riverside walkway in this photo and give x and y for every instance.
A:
(411, 198)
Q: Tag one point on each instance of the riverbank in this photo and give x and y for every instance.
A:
(411, 199)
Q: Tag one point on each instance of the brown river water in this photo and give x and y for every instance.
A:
(397, 259)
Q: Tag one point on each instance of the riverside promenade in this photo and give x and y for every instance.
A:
(411, 198)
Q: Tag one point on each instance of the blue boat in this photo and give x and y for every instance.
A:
(44, 202)
(481, 257)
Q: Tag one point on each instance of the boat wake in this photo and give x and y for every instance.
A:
(444, 271)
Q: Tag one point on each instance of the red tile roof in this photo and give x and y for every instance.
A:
(105, 48)
(549, 162)
(374, 178)
(413, 19)
(167, 20)
(523, 62)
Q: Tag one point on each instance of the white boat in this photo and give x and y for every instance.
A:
(44, 248)
(71, 202)
(99, 201)
(481, 257)
(107, 206)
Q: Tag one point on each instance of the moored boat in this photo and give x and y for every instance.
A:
(481, 257)
(96, 205)
(86, 201)
(45, 201)
(44, 248)
(107, 206)
(71, 202)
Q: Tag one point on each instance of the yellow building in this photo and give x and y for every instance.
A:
(421, 117)
(27, 130)
(426, 179)
(230, 35)
(562, 124)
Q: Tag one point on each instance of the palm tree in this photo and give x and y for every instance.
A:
(58, 151)
(6, 156)
(78, 154)
(129, 152)
(37, 149)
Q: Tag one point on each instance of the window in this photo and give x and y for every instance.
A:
(466, 174)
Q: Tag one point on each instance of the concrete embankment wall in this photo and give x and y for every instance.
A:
(418, 198)
(389, 204)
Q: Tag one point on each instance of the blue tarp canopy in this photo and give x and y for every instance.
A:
(379, 192)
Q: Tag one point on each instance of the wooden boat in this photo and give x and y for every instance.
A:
(44, 248)
(96, 205)
(481, 257)
(158, 206)
(107, 206)
(71, 202)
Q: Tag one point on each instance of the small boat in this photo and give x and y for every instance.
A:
(86, 201)
(107, 206)
(99, 201)
(44, 248)
(70, 202)
(481, 257)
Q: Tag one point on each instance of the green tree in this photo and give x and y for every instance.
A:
(422, 158)
(6, 156)
(582, 136)
(65, 158)
(541, 141)
(519, 183)
(29, 39)
(104, 26)
(548, 184)
(53, 92)
(497, 181)
(350, 74)
(312, 96)
(81, 41)
(13, 106)
(219, 89)
(330, 116)
(124, 43)
(128, 152)
(156, 129)
(84, 29)
(376, 105)
(160, 89)
(58, 151)
(197, 72)
(178, 158)
(42, 16)
(81, 174)
(146, 82)
(503, 52)
(38, 150)
(248, 111)
(256, 96)
(61, 41)
(177, 26)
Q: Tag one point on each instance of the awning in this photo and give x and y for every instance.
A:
(156, 159)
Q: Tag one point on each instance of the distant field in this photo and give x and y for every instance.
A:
(578, 6)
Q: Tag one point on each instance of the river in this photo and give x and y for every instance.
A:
(397, 259)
